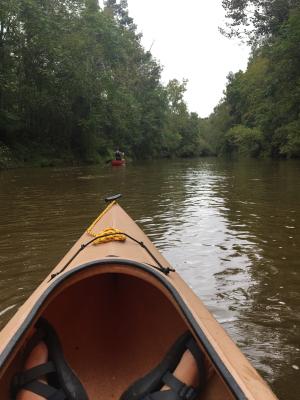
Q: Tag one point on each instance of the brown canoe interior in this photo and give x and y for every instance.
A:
(114, 327)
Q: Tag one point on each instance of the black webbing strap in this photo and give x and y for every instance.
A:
(198, 355)
(181, 389)
(162, 395)
(35, 339)
(33, 374)
(177, 390)
(46, 391)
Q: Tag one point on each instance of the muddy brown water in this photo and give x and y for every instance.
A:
(231, 229)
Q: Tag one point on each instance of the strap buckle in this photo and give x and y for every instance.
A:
(187, 393)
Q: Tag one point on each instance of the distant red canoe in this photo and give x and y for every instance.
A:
(117, 163)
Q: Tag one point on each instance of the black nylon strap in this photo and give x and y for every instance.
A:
(163, 395)
(46, 391)
(32, 374)
(188, 394)
(170, 380)
(35, 339)
(182, 390)
(197, 353)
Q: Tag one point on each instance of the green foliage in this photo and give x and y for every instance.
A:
(184, 134)
(5, 155)
(246, 141)
(256, 19)
(216, 126)
(288, 138)
(75, 83)
(259, 115)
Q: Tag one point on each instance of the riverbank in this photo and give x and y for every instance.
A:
(25, 159)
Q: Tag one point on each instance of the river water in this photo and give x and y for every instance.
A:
(231, 229)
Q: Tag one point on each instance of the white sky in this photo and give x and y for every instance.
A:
(187, 43)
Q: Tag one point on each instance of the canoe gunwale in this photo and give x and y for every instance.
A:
(194, 326)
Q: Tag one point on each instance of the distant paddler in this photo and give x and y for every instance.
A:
(119, 158)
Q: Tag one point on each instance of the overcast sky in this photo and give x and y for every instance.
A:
(185, 39)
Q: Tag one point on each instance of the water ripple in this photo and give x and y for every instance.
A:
(230, 229)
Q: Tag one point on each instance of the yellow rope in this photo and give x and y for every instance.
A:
(108, 234)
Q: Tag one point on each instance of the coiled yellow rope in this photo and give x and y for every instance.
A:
(108, 234)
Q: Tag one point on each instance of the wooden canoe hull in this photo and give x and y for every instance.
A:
(116, 314)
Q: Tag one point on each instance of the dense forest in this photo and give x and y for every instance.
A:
(76, 83)
(259, 115)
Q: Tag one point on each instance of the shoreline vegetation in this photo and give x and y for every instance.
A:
(76, 83)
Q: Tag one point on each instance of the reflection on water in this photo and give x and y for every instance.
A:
(230, 228)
